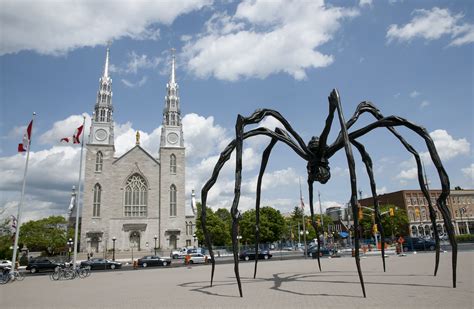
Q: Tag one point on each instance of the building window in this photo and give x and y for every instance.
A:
(136, 191)
(173, 164)
(99, 160)
(411, 215)
(96, 204)
(173, 201)
(423, 213)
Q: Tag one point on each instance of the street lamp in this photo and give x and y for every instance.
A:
(113, 249)
(239, 237)
(155, 238)
(304, 233)
(194, 240)
(69, 244)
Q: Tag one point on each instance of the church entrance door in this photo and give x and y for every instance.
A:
(173, 242)
(135, 240)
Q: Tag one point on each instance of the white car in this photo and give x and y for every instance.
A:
(198, 258)
(5, 263)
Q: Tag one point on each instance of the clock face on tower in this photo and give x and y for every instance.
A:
(100, 134)
(172, 138)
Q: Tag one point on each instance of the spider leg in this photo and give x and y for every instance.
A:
(313, 223)
(370, 108)
(378, 220)
(265, 156)
(392, 121)
(334, 100)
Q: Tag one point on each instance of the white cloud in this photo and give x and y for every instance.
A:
(424, 104)
(138, 84)
(65, 128)
(432, 25)
(469, 171)
(265, 37)
(135, 63)
(414, 94)
(447, 147)
(363, 3)
(55, 27)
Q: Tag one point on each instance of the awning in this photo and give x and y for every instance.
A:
(343, 234)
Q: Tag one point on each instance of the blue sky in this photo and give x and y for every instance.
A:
(410, 58)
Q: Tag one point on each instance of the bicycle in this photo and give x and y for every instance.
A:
(9, 274)
(63, 273)
(83, 272)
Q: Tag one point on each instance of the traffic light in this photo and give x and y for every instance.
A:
(392, 212)
(361, 215)
(374, 228)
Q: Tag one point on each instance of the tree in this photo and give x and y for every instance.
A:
(396, 225)
(216, 226)
(48, 235)
(272, 225)
(6, 239)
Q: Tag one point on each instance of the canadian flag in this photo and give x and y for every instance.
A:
(26, 139)
(75, 138)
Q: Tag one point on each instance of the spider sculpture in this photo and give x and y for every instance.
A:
(317, 153)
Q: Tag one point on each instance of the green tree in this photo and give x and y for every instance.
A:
(216, 226)
(47, 235)
(6, 239)
(396, 225)
(272, 225)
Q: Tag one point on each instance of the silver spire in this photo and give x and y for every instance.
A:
(106, 66)
(172, 78)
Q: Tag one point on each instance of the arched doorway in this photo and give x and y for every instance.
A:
(94, 244)
(135, 240)
(173, 242)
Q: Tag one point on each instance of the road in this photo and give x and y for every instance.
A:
(294, 283)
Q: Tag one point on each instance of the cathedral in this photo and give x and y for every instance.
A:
(135, 201)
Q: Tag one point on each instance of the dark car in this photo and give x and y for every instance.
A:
(417, 243)
(250, 255)
(43, 264)
(153, 260)
(313, 251)
(98, 263)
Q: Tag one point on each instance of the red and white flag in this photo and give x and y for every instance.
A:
(75, 138)
(26, 139)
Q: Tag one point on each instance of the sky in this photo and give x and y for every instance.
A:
(413, 59)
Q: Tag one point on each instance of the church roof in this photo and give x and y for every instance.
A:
(132, 149)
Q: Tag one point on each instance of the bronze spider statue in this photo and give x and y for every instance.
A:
(317, 154)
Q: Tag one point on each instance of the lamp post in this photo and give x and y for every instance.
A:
(155, 238)
(194, 240)
(239, 237)
(69, 244)
(304, 233)
(113, 248)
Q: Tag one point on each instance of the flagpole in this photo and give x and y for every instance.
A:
(18, 217)
(304, 223)
(321, 214)
(78, 201)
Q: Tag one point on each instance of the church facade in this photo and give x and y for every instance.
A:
(135, 201)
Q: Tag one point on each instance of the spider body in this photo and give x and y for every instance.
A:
(317, 154)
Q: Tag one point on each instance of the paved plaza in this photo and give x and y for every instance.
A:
(408, 283)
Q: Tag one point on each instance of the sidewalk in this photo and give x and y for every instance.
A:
(408, 283)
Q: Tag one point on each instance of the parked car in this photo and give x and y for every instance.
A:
(5, 263)
(179, 253)
(417, 243)
(153, 260)
(313, 251)
(250, 255)
(199, 258)
(98, 263)
(43, 264)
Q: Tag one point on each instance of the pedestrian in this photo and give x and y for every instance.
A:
(88, 256)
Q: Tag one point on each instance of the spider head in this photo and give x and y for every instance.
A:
(318, 167)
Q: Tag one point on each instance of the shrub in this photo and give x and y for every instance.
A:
(465, 238)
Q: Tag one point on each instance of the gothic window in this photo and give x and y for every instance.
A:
(423, 213)
(96, 204)
(173, 201)
(102, 115)
(173, 164)
(411, 215)
(99, 160)
(191, 231)
(173, 121)
(187, 228)
(136, 191)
